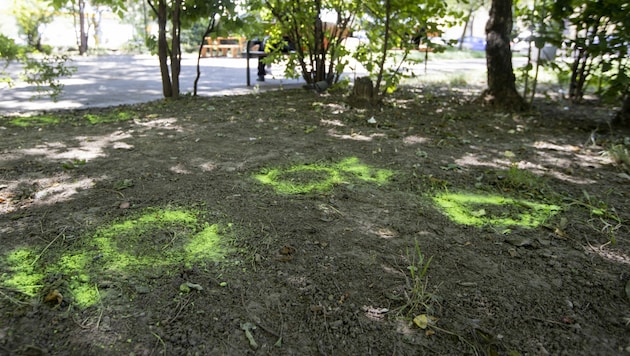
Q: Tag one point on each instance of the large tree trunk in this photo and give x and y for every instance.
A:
(501, 90)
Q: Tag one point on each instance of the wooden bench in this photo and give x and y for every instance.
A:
(221, 45)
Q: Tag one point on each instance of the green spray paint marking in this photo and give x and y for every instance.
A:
(307, 178)
(495, 210)
(37, 120)
(155, 241)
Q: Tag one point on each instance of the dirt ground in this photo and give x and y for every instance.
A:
(288, 223)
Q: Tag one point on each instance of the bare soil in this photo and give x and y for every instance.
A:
(332, 270)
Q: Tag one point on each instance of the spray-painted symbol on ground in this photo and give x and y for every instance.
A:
(493, 210)
(156, 241)
(307, 178)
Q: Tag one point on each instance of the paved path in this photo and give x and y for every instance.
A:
(124, 79)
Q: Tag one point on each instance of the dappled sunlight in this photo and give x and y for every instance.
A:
(402, 103)
(90, 147)
(611, 255)
(477, 160)
(207, 166)
(549, 159)
(355, 136)
(60, 191)
(165, 123)
(541, 170)
(336, 108)
(473, 160)
(413, 140)
(555, 147)
(331, 122)
(43, 191)
(575, 155)
(180, 169)
(384, 233)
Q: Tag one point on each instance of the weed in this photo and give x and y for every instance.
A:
(519, 179)
(458, 81)
(417, 296)
(618, 154)
(75, 163)
(603, 218)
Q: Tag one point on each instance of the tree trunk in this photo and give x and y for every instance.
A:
(501, 90)
(623, 116)
(466, 24)
(176, 52)
(83, 36)
(207, 33)
(161, 13)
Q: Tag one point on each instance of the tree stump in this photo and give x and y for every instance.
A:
(362, 93)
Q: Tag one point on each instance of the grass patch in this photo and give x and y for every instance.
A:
(110, 116)
(602, 217)
(36, 120)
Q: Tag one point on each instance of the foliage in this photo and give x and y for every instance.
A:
(319, 52)
(544, 30)
(393, 24)
(80, 8)
(43, 72)
(172, 16)
(29, 16)
(598, 46)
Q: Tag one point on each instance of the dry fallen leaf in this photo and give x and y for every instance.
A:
(423, 321)
(287, 250)
(54, 296)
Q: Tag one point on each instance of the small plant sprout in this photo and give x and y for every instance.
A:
(618, 154)
(603, 218)
(417, 297)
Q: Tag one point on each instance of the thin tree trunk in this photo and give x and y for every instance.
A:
(161, 12)
(623, 116)
(381, 65)
(176, 52)
(208, 31)
(83, 45)
(466, 23)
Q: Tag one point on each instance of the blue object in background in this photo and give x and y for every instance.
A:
(474, 43)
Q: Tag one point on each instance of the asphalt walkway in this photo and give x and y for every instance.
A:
(124, 79)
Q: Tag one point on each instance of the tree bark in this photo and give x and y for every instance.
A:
(176, 53)
(161, 13)
(83, 36)
(501, 90)
(207, 33)
(623, 116)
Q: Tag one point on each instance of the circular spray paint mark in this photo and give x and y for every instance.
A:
(157, 240)
(493, 210)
